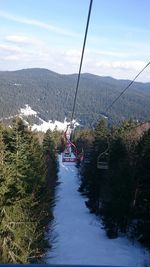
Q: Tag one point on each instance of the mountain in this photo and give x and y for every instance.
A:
(51, 94)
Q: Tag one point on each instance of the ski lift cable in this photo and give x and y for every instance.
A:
(127, 87)
(116, 99)
(81, 60)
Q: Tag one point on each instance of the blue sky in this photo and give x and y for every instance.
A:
(49, 34)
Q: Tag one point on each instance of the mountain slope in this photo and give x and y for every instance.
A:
(51, 94)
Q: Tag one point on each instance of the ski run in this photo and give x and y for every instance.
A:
(78, 237)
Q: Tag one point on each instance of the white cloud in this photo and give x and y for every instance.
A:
(71, 56)
(25, 49)
(10, 48)
(11, 58)
(72, 53)
(22, 51)
(126, 65)
(37, 23)
(122, 69)
(111, 53)
(67, 61)
(23, 40)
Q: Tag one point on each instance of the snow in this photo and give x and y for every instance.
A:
(44, 126)
(105, 117)
(17, 84)
(7, 118)
(60, 126)
(78, 237)
(28, 111)
(50, 125)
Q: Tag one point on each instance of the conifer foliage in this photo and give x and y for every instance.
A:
(120, 196)
(24, 195)
(141, 202)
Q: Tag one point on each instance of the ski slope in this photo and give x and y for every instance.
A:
(77, 235)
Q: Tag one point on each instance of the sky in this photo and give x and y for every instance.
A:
(49, 34)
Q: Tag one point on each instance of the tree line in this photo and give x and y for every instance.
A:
(51, 95)
(28, 171)
(120, 196)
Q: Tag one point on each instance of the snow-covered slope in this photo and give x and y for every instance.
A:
(27, 111)
(40, 125)
(78, 235)
(43, 126)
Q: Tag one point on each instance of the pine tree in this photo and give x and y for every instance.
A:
(117, 209)
(101, 136)
(141, 200)
(92, 179)
(25, 198)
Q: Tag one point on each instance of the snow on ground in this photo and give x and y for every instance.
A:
(60, 126)
(44, 126)
(77, 235)
(28, 111)
(50, 125)
(7, 118)
(17, 84)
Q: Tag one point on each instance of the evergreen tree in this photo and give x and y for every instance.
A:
(93, 180)
(25, 197)
(117, 208)
(141, 200)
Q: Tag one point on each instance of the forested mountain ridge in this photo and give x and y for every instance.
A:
(51, 94)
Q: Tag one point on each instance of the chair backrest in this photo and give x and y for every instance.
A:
(102, 161)
(103, 165)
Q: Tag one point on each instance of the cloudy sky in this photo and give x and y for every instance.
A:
(49, 34)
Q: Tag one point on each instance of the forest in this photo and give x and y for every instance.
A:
(51, 95)
(119, 195)
(28, 174)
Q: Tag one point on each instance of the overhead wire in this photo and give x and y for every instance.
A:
(81, 60)
(116, 99)
(80, 67)
(127, 87)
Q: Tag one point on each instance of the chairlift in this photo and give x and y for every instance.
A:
(87, 158)
(102, 161)
(86, 161)
(70, 152)
(67, 152)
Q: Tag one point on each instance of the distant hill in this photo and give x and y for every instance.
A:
(51, 94)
